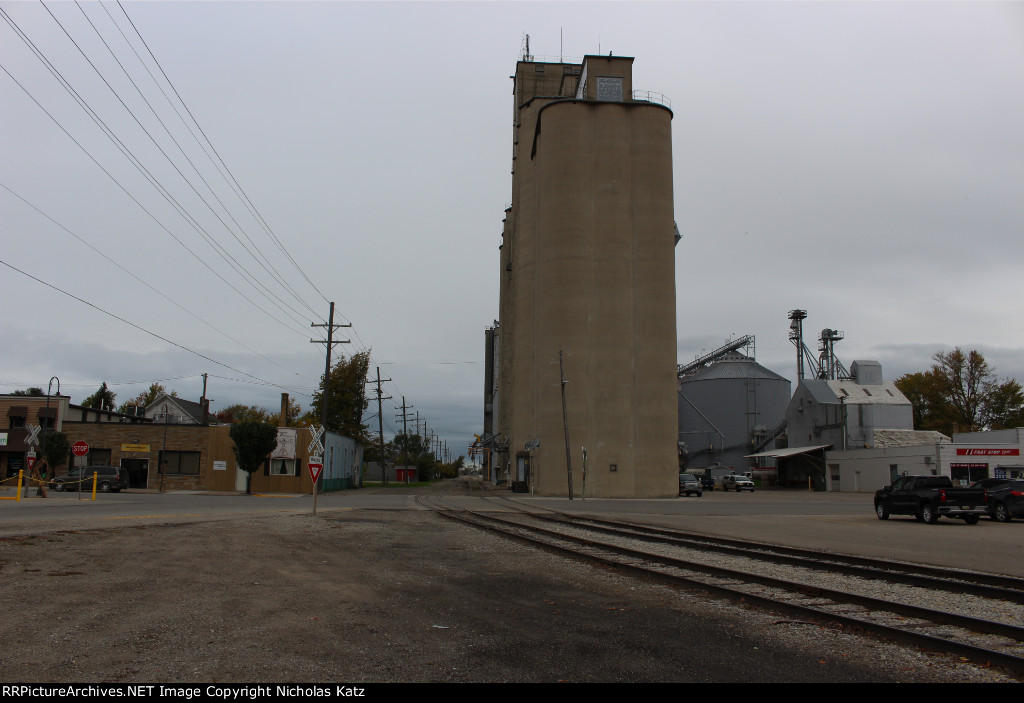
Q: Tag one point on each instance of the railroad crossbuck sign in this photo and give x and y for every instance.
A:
(32, 439)
(316, 447)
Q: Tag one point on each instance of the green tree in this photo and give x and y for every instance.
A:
(56, 450)
(33, 392)
(961, 390)
(146, 397)
(254, 441)
(926, 395)
(245, 413)
(409, 450)
(102, 399)
(346, 399)
(965, 380)
(255, 413)
(1004, 406)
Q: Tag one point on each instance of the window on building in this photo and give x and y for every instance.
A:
(609, 88)
(46, 423)
(282, 467)
(180, 462)
(99, 457)
(16, 421)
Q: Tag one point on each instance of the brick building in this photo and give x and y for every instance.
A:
(18, 413)
(193, 456)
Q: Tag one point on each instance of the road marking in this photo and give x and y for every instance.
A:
(137, 517)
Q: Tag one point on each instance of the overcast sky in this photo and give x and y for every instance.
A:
(863, 161)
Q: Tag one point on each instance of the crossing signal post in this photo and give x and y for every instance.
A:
(316, 458)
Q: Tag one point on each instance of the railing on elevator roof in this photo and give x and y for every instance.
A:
(652, 97)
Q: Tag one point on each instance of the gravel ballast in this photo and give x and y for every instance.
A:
(390, 596)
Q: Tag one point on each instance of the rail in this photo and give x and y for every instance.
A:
(650, 96)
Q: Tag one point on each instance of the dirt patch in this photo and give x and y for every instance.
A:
(383, 596)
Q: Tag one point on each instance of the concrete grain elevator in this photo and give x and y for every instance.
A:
(588, 286)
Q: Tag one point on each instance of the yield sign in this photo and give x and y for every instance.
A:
(315, 468)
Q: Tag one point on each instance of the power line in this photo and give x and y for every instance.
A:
(127, 153)
(109, 383)
(139, 327)
(134, 160)
(141, 206)
(232, 262)
(143, 282)
(215, 245)
(272, 271)
(240, 191)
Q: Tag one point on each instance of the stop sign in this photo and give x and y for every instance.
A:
(80, 448)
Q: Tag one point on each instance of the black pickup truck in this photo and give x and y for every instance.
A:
(930, 497)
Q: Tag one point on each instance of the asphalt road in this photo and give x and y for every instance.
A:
(388, 591)
(843, 522)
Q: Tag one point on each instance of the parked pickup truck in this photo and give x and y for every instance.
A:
(930, 497)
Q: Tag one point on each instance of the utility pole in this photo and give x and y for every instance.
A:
(404, 416)
(380, 424)
(405, 428)
(326, 392)
(204, 402)
(330, 342)
(565, 424)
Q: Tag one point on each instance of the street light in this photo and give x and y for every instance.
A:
(42, 432)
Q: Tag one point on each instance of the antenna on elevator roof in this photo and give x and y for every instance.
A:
(526, 55)
(560, 45)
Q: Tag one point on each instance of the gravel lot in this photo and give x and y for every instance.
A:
(363, 596)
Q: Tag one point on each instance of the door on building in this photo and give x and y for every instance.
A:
(523, 468)
(240, 480)
(138, 472)
(965, 474)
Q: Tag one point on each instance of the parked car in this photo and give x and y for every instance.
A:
(109, 479)
(707, 482)
(737, 483)
(928, 498)
(1005, 497)
(990, 483)
(688, 484)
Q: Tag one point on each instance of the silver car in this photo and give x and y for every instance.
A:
(737, 483)
(688, 483)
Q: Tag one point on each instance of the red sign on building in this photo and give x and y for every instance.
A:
(988, 452)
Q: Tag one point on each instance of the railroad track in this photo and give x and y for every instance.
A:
(979, 618)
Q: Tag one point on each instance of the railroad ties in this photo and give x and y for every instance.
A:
(893, 599)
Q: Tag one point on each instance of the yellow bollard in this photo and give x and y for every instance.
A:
(17, 496)
(95, 475)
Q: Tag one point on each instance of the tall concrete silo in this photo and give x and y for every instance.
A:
(588, 285)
